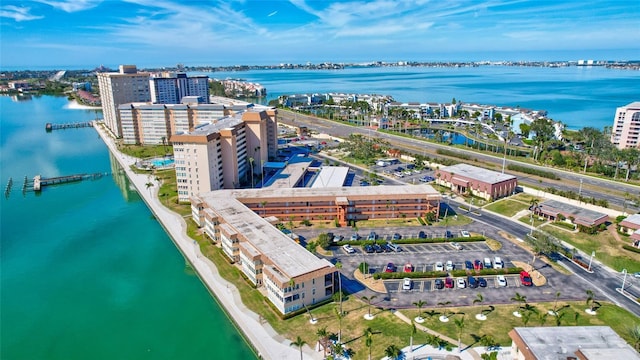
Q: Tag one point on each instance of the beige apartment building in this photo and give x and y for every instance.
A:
(626, 126)
(242, 222)
(222, 154)
(126, 86)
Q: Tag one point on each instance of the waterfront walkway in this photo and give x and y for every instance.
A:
(268, 343)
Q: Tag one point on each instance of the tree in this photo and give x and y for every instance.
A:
(419, 304)
(413, 332)
(368, 339)
(339, 315)
(478, 300)
(369, 299)
(460, 328)
(542, 317)
(555, 303)
(393, 352)
(323, 339)
(339, 266)
(519, 299)
(634, 334)
(149, 185)
(299, 343)
(251, 160)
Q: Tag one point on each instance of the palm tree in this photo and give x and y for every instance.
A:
(393, 352)
(413, 332)
(519, 299)
(419, 304)
(339, 315)
(444, 311)
(368, 300)
(634, 334)
(149, 185)
(478, 300)
(323, 339)
(368, 339)
(590, 300)
(299, 343)
(460, 327)
(526, 316)
(555, 304)
(251, 160)
(542, 317)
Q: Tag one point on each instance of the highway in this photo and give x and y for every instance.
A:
(611, 191)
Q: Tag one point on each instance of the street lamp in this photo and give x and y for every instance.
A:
(624, 279)
(593, 253)
(580, 191)
(531, 232)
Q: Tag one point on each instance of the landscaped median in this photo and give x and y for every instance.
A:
(443, 274)
(413, 241)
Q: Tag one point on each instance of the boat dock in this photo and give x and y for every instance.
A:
(39, 182)
(51, 126)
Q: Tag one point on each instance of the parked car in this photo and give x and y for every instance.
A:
(337, 238)
(439, 266)
(487, 263)
(422, 235)
(498, 263)
(455, 245)
(355, 237)
(462, 283)
(372, 236)
(473, 282)
(448, 283)
(447, 234)
(348, 249)
(396, 236)
(368, 249)
(468, 265)
(439, 284)
(502, 281)
(364, 183)
(525, 278)
(377, 248)
(449, 265)
(390, 268)
(482, 282)
(393, 247)
(406, 284)
(465, 233)
(477, 264)
(408, 267)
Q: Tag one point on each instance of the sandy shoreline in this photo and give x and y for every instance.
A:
(267, 343)
(75, 105)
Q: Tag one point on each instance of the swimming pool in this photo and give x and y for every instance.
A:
(162, 162)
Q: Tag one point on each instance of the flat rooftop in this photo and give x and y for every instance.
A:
(345, 191)
(290, 175)
(575, 211)
(559, 342)
(288, 256)
(331, 176)
(473, 172)
(224, 123)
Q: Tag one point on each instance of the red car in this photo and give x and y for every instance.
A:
(390, 268)
(477, 265)
(408, 268)
(448, 283)
(525, 278)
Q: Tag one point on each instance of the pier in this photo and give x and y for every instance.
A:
(51, 126)
(39, 182)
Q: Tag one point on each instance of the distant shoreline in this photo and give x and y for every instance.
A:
(75, 105)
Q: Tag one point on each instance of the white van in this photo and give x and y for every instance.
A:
(497, 263)
(487, 263)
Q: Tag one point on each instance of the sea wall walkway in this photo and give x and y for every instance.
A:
(268, 343)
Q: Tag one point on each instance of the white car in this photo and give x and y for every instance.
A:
(439, 266)
(456, 245)
(465, 233)
(502, 281)
(462, 283)
(348, 249)
(449, 266)
(406, 284)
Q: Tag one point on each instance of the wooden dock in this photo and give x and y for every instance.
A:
(51, 126)
(39, 182)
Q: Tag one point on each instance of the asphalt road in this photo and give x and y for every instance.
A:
(592, 187)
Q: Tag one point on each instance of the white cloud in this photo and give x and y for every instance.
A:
(71, 5)
(18, 13)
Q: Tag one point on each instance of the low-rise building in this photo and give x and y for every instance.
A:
(631, 227)
(467, 179)
(556, 210)
(242, 222)
(569, 342)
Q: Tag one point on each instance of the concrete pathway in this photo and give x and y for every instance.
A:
(268, 344)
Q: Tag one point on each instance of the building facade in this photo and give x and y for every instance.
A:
(243, 222)
(125, 86)
(467, 179)
(222, 154)
(626, 126)
(174, 87)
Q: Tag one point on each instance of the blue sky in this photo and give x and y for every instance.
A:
(87, 33)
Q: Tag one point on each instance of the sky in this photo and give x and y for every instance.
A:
(153, 33)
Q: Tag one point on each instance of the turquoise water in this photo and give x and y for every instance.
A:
(162, 162)
(577, 96)
(86, 271)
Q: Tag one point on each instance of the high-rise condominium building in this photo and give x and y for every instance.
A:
(222, 154)
(626, 126)
(125, 86)
(173, 88)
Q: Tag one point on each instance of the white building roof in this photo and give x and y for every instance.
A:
(473, 172)
(331, 176)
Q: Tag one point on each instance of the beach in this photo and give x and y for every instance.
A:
(267, 343)
(75, 105)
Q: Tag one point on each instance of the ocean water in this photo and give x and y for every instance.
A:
(577, 96)
(86, 272)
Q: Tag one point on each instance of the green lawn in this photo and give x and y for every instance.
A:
(507, 207)
(608, 250)
(536, 221)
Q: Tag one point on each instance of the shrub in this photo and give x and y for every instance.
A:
(532, 171)
(565, 225)
(453, 154)
(619, 218)
(421, 221)
(631, 248)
